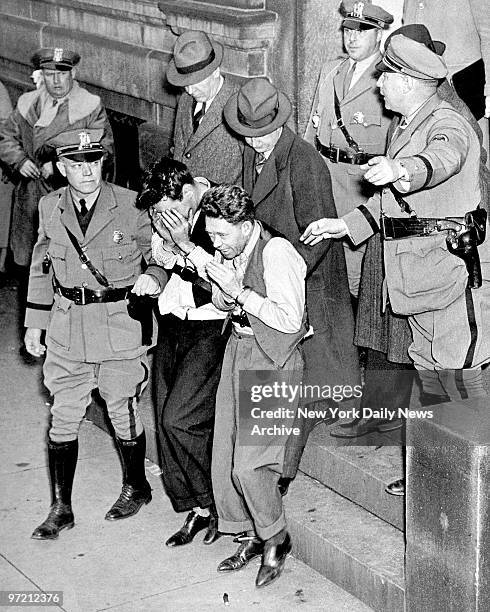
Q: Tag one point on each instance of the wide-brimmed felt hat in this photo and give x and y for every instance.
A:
(364, 15)
(257, 109)
(413, 58)
(55, 58)
(195, 58)
(419, 33)
(80, 145)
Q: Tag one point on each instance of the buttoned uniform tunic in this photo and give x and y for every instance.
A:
(86, 344)
(441, 153)
(213, 150)
(22, 138)
(367, 122)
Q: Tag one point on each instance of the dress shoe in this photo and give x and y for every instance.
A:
(396, 488)
(212, 534)
(366, 426)
(273, 561)
(194, 523)
(250, 547)
(129, 502)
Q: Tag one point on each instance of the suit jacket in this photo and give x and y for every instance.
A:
(213, 150)
(441, 153)
(93, 332)
(292, 190)
(365, 118)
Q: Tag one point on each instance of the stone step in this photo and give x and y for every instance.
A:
(359, 473)
(347, 544)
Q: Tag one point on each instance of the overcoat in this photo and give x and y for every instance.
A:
(213, 150)
(6, 186)
(292, 190)
(22, 139)
(118, 241)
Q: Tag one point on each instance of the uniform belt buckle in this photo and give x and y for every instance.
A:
(80, 296)
(334, 154)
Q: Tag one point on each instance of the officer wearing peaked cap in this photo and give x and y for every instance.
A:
(30, 135)
(348, 121)
(430, 172)
(86, 265)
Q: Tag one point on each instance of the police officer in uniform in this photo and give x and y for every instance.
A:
(429, 196)
(348, 120)
(86, 263)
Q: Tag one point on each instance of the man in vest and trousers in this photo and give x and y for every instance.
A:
(259, 279)
(86, 264)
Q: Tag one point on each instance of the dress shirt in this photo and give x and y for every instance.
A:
(361, 67)
(283, 306)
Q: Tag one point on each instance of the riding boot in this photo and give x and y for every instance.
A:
(136, 490)
(62, 458)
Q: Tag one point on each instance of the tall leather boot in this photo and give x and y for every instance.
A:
(136, 490)
(62, 457)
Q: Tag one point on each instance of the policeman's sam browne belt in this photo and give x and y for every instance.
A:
(140, 308)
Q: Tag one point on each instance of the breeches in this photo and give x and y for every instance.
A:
(245, 477)
(187, 367)
(456, 337)
(120, 383)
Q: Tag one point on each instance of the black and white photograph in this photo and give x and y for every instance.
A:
(245, 305)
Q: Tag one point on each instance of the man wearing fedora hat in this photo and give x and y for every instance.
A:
(348, 121)
(201, 139)
(30, 135)
(86, 265)
(430, 173)
(289, 184)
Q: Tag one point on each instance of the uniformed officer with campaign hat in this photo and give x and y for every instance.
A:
(86, 265)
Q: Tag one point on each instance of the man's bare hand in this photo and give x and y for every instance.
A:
(323, 229)
(146, 284)
(382, 170)
(47, 170)
(30, 170)
(32, 340)
(225, 278)
(179, 228)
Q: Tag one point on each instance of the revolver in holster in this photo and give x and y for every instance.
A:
(463, 241)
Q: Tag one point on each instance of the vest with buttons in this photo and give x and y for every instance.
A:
(277, 345)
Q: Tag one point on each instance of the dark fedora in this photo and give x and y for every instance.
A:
(195, 58)
(257, 109)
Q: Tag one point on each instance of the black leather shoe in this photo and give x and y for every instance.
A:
(194, 523)
(129, 502)
(273, 561)
(396, 488)
(212, 534)
(60, 517)
(250, 547)
(366, 426)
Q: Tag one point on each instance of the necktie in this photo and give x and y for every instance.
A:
(196, 117)
(260, 160)
(348, 79)
(83, 207)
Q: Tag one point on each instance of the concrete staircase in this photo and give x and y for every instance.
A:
(343, 523)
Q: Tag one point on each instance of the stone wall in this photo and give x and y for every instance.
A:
(126, 44)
